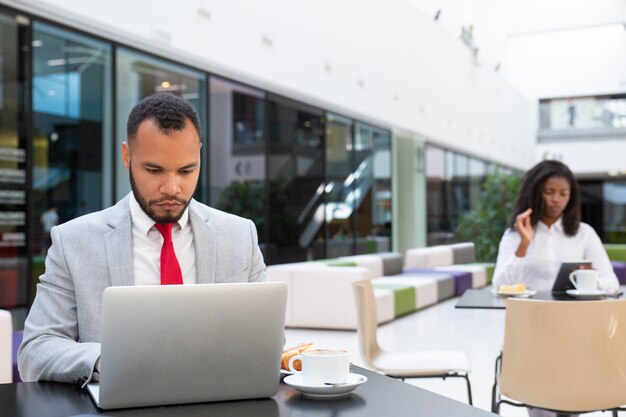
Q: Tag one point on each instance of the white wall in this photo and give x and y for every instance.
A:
(592, 158)
(546, 48)
(590, 61)
(385, 63)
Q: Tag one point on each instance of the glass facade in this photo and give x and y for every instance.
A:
(139, 75)
(71, 98)
(373, 190)
(454, 186)
(583, 113)
(295, 174)
(340, 187)
(14, 217)
(237, 151)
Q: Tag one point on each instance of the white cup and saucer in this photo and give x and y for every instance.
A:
(586, 283)
(325, 374)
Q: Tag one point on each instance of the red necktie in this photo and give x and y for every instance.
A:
(170, 269)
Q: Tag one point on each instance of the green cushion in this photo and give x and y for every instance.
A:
(404, 296)
(337, 262)
(489, 268)
(616, 252)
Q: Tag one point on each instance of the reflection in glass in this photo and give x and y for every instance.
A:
(437, 210)
(71, 137)
(13, 198)
(296, 182)
(477, 175)
(341, 198)
(601, 112)
(140, 75)
(372, 150)
(237, 154)
(614, 193)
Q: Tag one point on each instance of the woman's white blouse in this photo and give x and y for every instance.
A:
(549, 247)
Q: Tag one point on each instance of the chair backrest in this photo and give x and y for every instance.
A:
(565, 355)
(6, 347)
(366, 320)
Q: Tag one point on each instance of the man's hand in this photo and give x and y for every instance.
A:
(525, 229)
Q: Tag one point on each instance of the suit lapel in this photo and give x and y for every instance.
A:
(119, 247)
(205, 245)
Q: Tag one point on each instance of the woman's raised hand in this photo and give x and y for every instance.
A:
(525, 228)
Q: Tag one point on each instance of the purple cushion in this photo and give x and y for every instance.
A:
(17, 341)
(462, 279)
(620, 271)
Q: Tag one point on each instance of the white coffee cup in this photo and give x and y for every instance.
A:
(584, 279)
(320, 366)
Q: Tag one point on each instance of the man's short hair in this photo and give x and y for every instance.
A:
(167, 110)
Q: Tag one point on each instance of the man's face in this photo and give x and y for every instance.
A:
(164, 169)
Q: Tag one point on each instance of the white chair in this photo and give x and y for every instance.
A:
(6, 347)
(563, 356)
(407, 364)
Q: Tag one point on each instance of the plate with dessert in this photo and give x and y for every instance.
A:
(515, 290)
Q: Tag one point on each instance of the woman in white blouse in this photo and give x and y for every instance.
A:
(545, 230)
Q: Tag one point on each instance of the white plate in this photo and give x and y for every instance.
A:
(587, 294)
(527, 293)
(325, 391)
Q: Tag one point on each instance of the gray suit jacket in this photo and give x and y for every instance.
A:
(93, 252)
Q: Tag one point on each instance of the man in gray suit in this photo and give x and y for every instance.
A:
(121, 246)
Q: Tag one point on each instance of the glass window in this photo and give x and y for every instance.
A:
(436, 211)
(237, 151)
(340, 192)
(138, 76)
(71, 98)
(13, 218)
(614, 195)
(296, 182)
(477, 175)
(372, 174)
(459, 196)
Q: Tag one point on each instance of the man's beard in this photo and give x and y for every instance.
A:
(145, 205)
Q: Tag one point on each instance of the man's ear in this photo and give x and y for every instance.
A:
(126, 155)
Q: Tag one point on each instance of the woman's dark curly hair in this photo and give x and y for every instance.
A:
(530, 195)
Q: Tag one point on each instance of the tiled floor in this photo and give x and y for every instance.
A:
(479, 333)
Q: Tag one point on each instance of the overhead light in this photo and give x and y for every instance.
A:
(165, 84)
(56, 62)
(37, 43)
(202, 12)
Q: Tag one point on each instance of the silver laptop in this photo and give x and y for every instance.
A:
(178, 344)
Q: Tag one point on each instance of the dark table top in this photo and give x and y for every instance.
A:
(379, 396)
(484, 298)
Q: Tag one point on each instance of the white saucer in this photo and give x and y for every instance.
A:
(527, 293)
(325, 391)
(587, 294)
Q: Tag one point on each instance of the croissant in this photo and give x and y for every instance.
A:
(291, 352)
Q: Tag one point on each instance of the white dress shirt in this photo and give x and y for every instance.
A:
(147, 243)
(549, 247)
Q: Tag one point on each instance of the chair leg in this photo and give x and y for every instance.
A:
(495, 403)
(469, 389)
